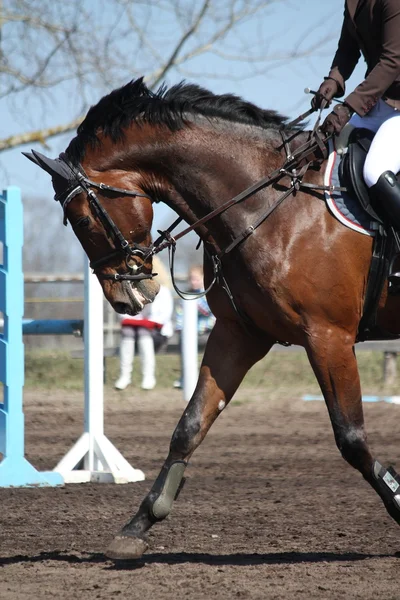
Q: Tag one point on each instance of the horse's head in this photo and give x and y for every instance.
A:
(112, 223)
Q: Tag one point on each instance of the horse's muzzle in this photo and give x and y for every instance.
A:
(138, 294)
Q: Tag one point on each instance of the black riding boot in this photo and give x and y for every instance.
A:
(387, 192)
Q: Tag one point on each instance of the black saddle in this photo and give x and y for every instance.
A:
(351, 176)
(351, 171)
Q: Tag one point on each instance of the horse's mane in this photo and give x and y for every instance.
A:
(135, 102)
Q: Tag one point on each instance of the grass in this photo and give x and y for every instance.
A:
(279, 373)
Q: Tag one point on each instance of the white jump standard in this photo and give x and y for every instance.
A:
(94, 457)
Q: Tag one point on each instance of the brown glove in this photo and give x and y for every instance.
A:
(327, 90)
(337, 119)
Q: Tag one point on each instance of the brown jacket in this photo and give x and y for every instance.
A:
(370, 27)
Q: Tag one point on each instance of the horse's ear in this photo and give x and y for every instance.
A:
(31, 157)
(53, 166)
(48, 164)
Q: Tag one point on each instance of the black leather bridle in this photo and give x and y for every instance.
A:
(81, 183)
(78, 182)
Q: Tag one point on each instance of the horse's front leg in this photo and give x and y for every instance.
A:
(229, 354)
(335, 366)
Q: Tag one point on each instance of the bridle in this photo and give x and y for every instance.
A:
(308, 154)
(81, 183)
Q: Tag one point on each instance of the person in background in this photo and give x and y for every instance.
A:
(205, 318)
(147, 331)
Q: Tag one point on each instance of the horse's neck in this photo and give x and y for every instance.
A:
(206, 169)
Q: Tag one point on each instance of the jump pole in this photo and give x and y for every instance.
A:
(93, 457)
(15, 470)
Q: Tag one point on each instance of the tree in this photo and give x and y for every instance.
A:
(51, 50)
(57, 58)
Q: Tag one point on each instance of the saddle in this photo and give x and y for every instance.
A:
(351, 171)
(358, 142)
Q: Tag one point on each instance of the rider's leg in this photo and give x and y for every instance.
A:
(384, 153)
(230, 353)
(381, 166)
(380, 169)
(387, 191)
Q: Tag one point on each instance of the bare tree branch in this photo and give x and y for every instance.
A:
(171, 60)
(219, 34)
(52, 50)
(41, 135)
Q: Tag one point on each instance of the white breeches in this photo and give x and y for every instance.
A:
(384, 153)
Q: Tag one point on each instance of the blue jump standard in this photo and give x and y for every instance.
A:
(52, 326)
(15, 470)
(388, 399)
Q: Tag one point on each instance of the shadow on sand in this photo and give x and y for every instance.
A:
(176, 558)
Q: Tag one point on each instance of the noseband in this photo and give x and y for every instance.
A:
(81, 183)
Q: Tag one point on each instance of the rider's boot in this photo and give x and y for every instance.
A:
(387, 192)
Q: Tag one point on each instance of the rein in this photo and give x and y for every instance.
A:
(306, 152)
(316, 143)
(289, 169)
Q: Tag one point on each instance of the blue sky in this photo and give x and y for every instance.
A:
(290, 24)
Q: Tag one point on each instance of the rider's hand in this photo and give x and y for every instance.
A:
(327, 90)
(337, 119)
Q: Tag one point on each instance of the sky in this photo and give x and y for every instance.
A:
(290, 24)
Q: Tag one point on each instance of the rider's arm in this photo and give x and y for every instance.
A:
(346, 57)
(387, 69)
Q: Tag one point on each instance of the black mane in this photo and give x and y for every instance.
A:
(135, 101)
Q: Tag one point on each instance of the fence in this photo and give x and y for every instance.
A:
(389, 349)
(15, 470)
(93, 457)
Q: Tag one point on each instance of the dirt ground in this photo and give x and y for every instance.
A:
(269, 510)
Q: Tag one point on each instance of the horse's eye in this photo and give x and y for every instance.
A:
(83, 222)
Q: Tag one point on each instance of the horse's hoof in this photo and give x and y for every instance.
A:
(126, 547)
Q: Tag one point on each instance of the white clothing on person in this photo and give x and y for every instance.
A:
(384, 153)
(156, 316)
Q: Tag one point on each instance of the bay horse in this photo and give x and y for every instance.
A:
(293, 275)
